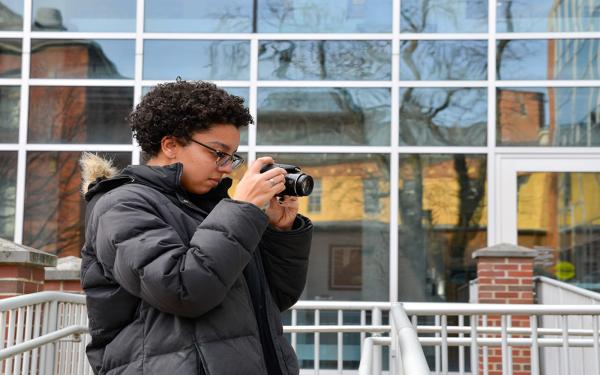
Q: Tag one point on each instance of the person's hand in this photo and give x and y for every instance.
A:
(259, 188)
(282, 212)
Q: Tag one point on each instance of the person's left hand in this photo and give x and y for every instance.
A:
(282, 213)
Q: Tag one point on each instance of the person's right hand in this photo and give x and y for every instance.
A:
(258, 188)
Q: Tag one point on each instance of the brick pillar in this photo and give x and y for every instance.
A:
(505, 276)
(65, 276)
(22, 269)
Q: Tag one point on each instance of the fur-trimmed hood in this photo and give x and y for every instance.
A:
(93, 169)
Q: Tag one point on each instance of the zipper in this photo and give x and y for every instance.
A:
(201, 362)
(267, 306)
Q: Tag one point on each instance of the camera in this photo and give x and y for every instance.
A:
(297, 183)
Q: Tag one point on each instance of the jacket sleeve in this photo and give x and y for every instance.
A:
(150, 260)
(285, 259)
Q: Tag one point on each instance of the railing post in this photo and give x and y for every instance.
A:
(376, 320)
(50, 350)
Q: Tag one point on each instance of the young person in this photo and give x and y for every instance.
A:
(179, 278)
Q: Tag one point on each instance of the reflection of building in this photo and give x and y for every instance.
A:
(9, 20)
(574, 112)
(67, 114)
(520, 117)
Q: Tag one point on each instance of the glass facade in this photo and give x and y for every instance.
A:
(399, 110)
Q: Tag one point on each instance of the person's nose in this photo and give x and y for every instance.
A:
(227, 168)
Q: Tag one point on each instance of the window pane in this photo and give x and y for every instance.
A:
(443, 219)
(54, 208)
(325, 16)
(208, 60)
(77, 58)
(8, 194)
(349, 257)
(548, 59)
(547, 15)
(324, 60)
(83, 15)
(443, 116)
(323, 116)
(443, 16)
(204, 16)
(561, 116)
(79, 114)
(9, 113)
(443, 60)
(559, 212)
(10, 58)
(11, 15)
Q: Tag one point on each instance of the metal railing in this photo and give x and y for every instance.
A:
(406, 352)
(554, 292)
(43, 333)
(538, 337)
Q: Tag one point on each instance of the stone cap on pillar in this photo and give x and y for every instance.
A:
(505, 250)
(12, 253)
(67, 268)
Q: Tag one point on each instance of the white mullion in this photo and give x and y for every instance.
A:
(138, 74)
(11, 81)
(79, 147)
(9, 147)
(394, 157)
(268, 36)
(327, 84)
(549, 35)
(253, 98)
(80, 35)
(154, 82)
(23, 120)
(542, 151)
(372, 84)
(491, 124)
(83, 82)
(11, 34)
(549, 83)
(343, 36)
(372, 149)
(443, 36)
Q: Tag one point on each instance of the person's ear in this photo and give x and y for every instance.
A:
(169, 146)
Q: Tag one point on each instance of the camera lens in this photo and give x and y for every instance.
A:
(304, 185)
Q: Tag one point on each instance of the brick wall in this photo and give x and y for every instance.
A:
(17, 279)
(505, 276)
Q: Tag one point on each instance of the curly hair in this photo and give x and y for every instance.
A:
(182, 108)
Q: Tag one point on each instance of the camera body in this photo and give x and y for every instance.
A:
(297, 183)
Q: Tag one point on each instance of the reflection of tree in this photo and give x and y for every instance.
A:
(325, 60)
(8, 176)
(53, 206)
(435, 239)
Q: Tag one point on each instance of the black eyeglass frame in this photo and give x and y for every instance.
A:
(223, 158)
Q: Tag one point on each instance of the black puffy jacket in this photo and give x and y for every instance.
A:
(164, 279)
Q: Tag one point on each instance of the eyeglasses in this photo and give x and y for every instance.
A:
(223, 158)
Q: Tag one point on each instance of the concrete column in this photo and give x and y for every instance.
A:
(65, 277)
(22, 269)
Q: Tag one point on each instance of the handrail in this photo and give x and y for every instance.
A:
(433, 308)
(571, 288)
(410, 352)
(41, 340)
(40, 297)
(366, 356)
(406, 349)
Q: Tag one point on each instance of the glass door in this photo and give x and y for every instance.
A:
(553, 204)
